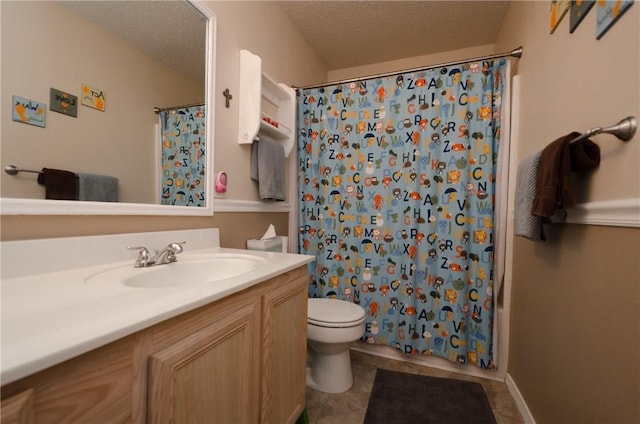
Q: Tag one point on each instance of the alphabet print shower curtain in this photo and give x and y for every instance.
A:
(182, 134)
(396, 201)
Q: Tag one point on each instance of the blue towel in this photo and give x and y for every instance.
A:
(267, 168)
(525, 224)
(97, 188)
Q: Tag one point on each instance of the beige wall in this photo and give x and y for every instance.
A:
(265, 30)
(235, 228)
(573, 82)
(58, 49)
(575, 325)
(575, 311)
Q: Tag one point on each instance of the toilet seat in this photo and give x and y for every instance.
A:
(334, 313)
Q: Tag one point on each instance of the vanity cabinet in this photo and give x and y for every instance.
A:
(284, 338)
(212, 372)
(240, 359)
(93, 388)
(18, 409)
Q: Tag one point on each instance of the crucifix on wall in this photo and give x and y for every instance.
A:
(227, 94)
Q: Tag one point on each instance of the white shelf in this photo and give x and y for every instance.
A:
(261, 97)
(279, 131)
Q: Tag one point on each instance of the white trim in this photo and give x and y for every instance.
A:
(617, 213)
(293, 210)
(527, 417)
(11, 206)
(230, 205)
(502, 321)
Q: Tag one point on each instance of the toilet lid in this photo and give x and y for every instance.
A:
(333, 313)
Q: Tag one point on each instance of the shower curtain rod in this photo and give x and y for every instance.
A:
(157, 110)
(513, 53)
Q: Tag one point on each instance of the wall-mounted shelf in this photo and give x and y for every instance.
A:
(265, 106)
(273, 127)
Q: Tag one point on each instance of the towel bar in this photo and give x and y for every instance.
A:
(13, 170)
(624, 130)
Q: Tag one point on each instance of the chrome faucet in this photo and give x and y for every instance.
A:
(168, 253)
(163, 256)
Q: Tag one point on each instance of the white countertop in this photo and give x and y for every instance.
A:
(50, 317)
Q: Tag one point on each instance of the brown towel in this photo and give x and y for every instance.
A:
(585, 155)
(557, 161)
(59, 184)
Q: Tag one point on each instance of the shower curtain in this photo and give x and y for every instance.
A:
(182, 135)
(396, 181)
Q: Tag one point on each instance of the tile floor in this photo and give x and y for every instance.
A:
(350, 407)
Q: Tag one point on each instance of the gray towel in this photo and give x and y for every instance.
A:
(97, 188)
(525, 224)
(267, 168)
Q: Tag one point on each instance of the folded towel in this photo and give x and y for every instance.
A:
(59, 184)
(267, 168)
(97, 188)
(525, 224)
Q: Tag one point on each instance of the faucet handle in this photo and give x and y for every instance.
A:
(144, 259)
(177, 246)
(173, 249)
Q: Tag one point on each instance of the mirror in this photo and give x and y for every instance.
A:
(120, 59)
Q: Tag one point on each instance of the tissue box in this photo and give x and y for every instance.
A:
(275, 244)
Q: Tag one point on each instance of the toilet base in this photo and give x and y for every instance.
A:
(329, 372)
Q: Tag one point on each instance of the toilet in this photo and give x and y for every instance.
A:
(332, 326)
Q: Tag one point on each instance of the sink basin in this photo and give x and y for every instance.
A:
(186, 271)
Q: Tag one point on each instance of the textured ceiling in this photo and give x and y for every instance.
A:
(342, 33)
(353, 33)
(173, 32)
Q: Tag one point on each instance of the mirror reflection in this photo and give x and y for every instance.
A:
(80, 82)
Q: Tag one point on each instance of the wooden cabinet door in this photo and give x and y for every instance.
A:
(284, 350)
(18, 409)
(94, 387)
(210, 375)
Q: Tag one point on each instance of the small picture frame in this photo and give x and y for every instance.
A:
(607, 14)
(28, 111)
(64, 103)
(559, 9)
(578, 10)
(93, 97)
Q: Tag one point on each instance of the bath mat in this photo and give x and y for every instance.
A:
(408, 398)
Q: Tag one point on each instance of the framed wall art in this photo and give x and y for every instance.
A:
(607, 14)
(559, 8)
(64, 103)
(28, 111)
(577, 12)
(93, 97)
